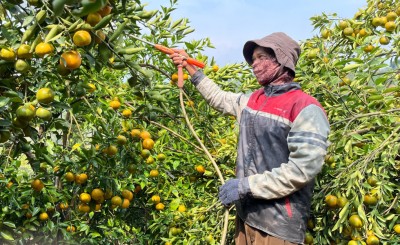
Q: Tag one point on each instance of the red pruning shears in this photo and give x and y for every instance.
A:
(167, 50)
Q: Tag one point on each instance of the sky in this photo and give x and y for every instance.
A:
(230, 23)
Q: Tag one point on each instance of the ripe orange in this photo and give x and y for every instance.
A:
(160, 206)
(331, 201)
(63, 206)
(355, 221)
(200, 169)
(92, 87)
(116, 200)
(181, 208)
(372, 180)
(85, 197)
(368, 48)
(106, 10)
(70, 177)
(396, 228)
(97, 194)
(155, 199)
(43, 216)
(127, 194)
(138, 188)
(126, 113)
(82, 38)
(341, 202)
(93, 18)
(97, 207)
(37, 185)
(391, 16)
(154, 173)
(145, 135)
(125, 203)
(108, 194)
(25, 113)
(84, 208)
(111, 150)
(115, 104)
(7, 54)
(362, 33)
(325, 33)
(71, 228)
(43, 48)
(215, 68)
(135, 133)
(174, 77)
(348, 31)
(24, 51)
(390, 26)
(45, 95)
(308, 238)
(81, 178)
(71, 59)
(148, 144)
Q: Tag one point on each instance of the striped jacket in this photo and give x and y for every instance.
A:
(282, 145)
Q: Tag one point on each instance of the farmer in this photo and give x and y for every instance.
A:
(282, 143)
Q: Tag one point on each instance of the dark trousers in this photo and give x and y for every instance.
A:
(247, 235)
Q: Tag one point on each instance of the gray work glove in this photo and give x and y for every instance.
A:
(232, 191)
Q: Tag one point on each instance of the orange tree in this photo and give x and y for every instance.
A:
(351, 66)
(94, 147)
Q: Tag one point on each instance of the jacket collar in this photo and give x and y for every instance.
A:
(271, 90)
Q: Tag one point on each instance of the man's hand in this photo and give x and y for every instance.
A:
(229, 192)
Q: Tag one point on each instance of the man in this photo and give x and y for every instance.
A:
(282, 144)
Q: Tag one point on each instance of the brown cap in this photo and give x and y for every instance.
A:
(287, 50)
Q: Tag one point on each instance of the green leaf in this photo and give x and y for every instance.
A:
(9, 224)
(174, 204)
(6, 235)
(4, 101)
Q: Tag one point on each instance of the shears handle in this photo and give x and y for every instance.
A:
(188, 60)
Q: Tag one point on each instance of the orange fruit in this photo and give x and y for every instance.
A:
(45, 95)
(25, 113)
(71, 228)
(84, 208)
(92, 87)
(121, 140)
(370, 200)
(352, 242)
(111, 150)
(97, 207)
(131, 168)
(37, 185)
(148, 144)
(355, 221)
(150, 160)
(391, 16)
(368, 48)
(160, 206)
(85, 197)
(145, 153)
(81, 178)
(82, 38)
(396, 228)
(372, 180)
(24, 51)
(325, 33)
(145, 135)
(69, 176)
(384, 40)
(125, 203)
(200, 169)
(63, 205)
(126, 113)
(372, 240)
(43, 114)
(127, 194)
(43, 48)
(161, 157)
(343, 24)
(115, 104)
(215, 68)
(362, 33)
(7, 54)
(154, 173)
(181, 208)
(106, 10)
(28, 215)
(116, 200)
(174, 77)
(43, 216)
(138, 188)
(93, 18)
(71, 60)
(22, 66)
(97, 194)
(341, 202)
(108, 194)
(135, 133)
(331, 201)
(155, 199)
(308, 238)
(390, 26)
(348, 31)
